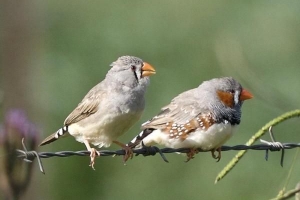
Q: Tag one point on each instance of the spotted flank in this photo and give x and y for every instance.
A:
(177, 130)
(181, 131)
(205, 121)
(55, 136)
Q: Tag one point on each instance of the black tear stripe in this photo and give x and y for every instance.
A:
(136, 77)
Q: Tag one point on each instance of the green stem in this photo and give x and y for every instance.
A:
(256, 136)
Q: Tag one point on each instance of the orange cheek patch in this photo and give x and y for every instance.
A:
(226, 98)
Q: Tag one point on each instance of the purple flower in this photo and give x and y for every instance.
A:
(15, 172)
(16, 120)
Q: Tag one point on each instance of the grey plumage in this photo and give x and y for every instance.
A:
(186, 121)
(111, 107)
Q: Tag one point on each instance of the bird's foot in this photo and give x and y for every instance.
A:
(93, 155)
(127, 149)
(190, 155)
(128, 153)
(218, 156)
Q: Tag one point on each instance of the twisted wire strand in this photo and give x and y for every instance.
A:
(29, 156)
(146, 151)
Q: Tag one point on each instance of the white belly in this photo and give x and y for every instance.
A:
(104, 129)
(212, 138)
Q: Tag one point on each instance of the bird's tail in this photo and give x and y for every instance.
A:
(55, 136)
(136, 142)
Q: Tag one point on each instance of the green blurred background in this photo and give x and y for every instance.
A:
(53, 52)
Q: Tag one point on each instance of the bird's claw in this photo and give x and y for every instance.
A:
(93, 155)
(191, 153)
(128, 153)
(217, 157)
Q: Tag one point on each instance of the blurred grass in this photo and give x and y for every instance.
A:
(257, 42)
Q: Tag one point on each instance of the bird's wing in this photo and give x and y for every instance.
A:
(182, 108)
(88, 106)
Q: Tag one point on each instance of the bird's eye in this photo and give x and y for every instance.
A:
(232, 91)
(133, 68)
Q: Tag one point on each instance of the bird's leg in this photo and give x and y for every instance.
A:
(218, 157)
(191, 154)
(93, 154)
(127, 149)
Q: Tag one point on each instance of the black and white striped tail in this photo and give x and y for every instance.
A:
(55, 136)
(136, 141)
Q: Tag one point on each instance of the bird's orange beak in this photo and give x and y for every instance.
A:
(147, 70)
(245, 94)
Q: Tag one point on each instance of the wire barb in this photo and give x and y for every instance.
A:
(276, 146)
(29, 156)
(151, 151)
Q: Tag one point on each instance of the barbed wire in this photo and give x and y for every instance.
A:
(29, 156)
